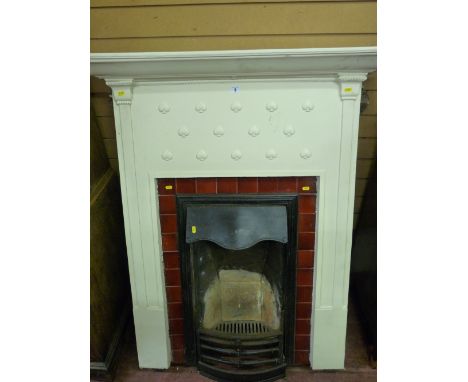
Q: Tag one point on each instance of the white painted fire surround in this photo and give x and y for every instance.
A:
(230, 114)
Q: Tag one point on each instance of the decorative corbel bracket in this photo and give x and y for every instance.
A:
(350, 84)
(122, 90)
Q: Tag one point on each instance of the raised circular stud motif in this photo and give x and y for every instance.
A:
(289, 131)
(202, 155)
(236, 107)
(305, 154)
(308, 106)
(183, 132)
(254, 131)
(164, 107)
(236, 155)
(218, 131)
(201, 107)
(271, 106)
(271, 154)
(167, 155)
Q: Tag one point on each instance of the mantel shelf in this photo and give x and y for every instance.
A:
(233, 63)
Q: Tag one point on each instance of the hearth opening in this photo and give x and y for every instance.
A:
(238, 276)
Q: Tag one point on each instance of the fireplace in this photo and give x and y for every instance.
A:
(193, 128)
(238, 263)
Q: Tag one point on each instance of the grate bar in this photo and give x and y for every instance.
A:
(242, 327)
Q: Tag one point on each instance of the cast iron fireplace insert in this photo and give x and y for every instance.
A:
(238, 261)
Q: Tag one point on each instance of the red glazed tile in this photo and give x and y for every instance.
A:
(307, 222)
(267, 184)
(303, 326)
(247, 185)
(172, 277)
(176, 326)
(173, 293)
(307, 184)
(304, 294)
(288, 184)
(185, 186)
(306, 240)
(305, 259)
(175, 310)
(304, 277)
(166, 186)
(303, 310)
(168, 223)
(167, 204)
(206, 185)
(178, 357)
(171, 260)
(177, 341)
(169, 242)
(302, 342)
(301, 357)
(307, 204)
(227, 185)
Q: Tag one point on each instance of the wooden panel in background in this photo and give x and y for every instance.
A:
(371, 82)
(114, 163)
(357, 204)
(360, 187)
(234, 20)
(372, 107)
(133, 3)
(174, 44)
(107, 127)
(368, 126)
(367, 148)
(111, 147)
(364, 168)
(103, 106)
(98, 85)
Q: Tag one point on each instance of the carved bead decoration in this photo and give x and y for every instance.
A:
(289, 131)
(183, 132)
(271, 106)
(236, 155)
(236, 107)
(164, 108)
(167, 155)
(202, 155)
(308, 106)
(254, 131)
(271, 154)
(201, 107)
(218, 131)
(305, 154)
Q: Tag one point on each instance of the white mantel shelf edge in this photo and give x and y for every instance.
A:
(234, 63)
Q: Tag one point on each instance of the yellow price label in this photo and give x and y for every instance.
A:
(305, 188)
(348, 90)
(169, 187)
(194, 229)
(121, 93)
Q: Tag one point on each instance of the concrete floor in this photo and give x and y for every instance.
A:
(358, 367)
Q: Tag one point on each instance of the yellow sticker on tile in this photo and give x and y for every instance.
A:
(121, 93)
(305, 188)
(348, 90)
(168, 187)
(194, 229)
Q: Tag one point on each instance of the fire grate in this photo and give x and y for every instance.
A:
(250, 328)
